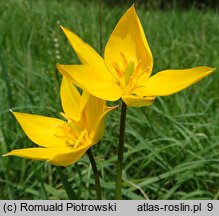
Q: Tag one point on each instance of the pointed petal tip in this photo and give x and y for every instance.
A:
(133, 6)
(57, 65)
(213, 69)
(63, 28)
(7, 154)
(15, 113)
(63, 72)
(60, 68)
(131, 9)
(112, 108)
(207, 69)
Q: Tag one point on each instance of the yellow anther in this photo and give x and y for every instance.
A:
(70, 142)
(79, 140)
(137, 74)
(125, 63)
(68, 132)
(137, 69)
(118, 70)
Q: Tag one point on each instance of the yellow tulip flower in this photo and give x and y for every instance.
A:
(64, 142)
(126, 68)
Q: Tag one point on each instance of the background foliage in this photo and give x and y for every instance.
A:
(172, 147)
(167, 4)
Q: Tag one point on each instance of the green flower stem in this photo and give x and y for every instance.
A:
(120, 152)
(96, 173)
(68, 189)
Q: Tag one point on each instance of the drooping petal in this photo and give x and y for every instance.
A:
(70, 157)
(97, 81)
(38, 153)
(42, 130)
(70, 98)
(137, 101)
(95, 113)
(95, 107)
(84, 99)
(168, 82)
(85, 53)
(128, 42)
(99, 128)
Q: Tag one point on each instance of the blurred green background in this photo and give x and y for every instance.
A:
(171, 148)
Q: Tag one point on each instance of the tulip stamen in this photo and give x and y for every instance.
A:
(119, 74)
(138, 73)
(117, 69)
(125, 63)
(80, 139)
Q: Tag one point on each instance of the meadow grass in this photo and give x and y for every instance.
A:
(171, 147)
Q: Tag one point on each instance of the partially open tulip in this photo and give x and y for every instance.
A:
(63, 142)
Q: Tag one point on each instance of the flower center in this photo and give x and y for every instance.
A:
(130, 74)
(75, 136)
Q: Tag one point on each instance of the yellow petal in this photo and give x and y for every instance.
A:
(70, 99)
(85, 53)
(70, 157)
(95, 107)
(42, 130)
(171, 81)
(38, 153)
(97, 81)
(58, 156)
(136, 101)
(84, 99)
(99, 129)
(128, 40)
(95, 112)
